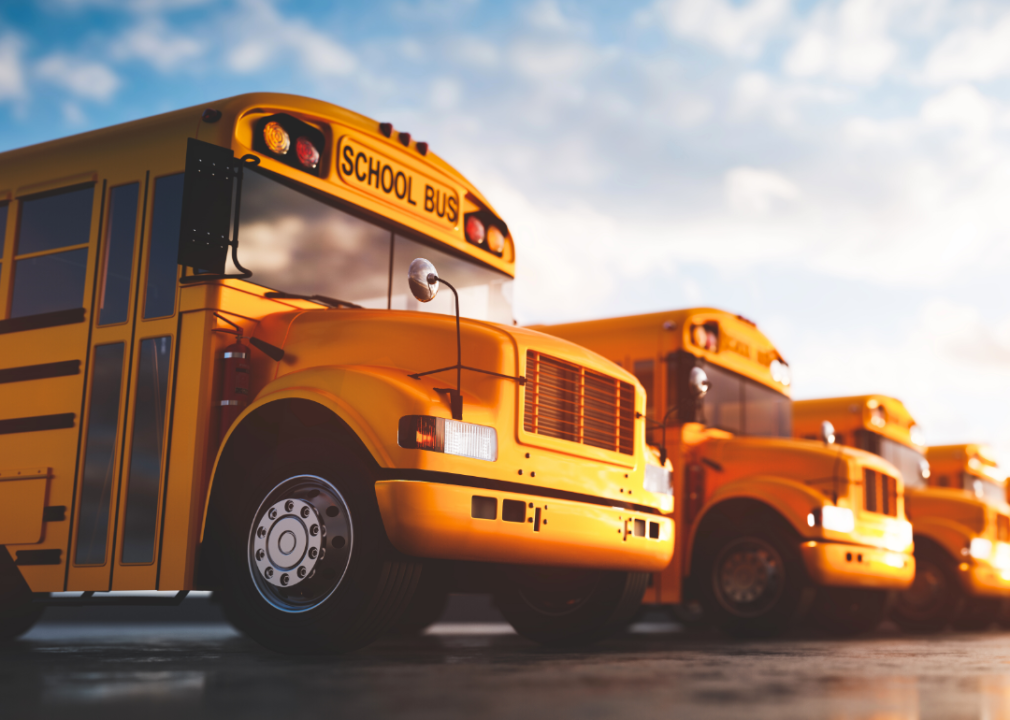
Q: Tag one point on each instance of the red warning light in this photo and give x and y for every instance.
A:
(474, 230)
(308, 155)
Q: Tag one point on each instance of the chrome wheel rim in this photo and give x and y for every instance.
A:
(748, 577)
(300, 543)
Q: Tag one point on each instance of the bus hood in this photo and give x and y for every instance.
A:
(807, 461)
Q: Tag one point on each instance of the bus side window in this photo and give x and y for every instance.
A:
(3, 231)
(645, 372)
(162, 264)
(942, 481)
(51, 258)
(115, 298)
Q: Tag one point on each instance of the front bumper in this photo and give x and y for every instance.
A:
(436, 520)
(847, 565)
(984, 579)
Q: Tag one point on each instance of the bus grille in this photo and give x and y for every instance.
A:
(567, 401)
(880, 492)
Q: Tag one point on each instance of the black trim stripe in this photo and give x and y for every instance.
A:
(37, 423)
(39, 557)
(511, 487)
(41, 371)
(43, 320)
(54, 513)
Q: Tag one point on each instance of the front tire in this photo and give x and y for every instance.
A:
(303, 559)
(566, 607)
(752, 580)
(935, 595)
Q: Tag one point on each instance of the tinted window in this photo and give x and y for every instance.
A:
(3, 228)
(909, 461)
(115, 300)
(723, 403)
(54, 221)
(162, 265)
(99, 455)
(148, 449)
(767, 413)
(48, 283)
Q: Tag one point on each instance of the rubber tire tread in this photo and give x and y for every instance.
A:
(606, 612)
(926, 551)
(18, 611)
(788, 612)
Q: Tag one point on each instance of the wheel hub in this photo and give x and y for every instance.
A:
(748, 577)
(287, 542)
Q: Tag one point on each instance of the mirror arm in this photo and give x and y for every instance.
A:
(457, 399)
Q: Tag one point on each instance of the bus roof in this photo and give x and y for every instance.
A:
(740, 347)
(973, 458)
(80, 158)
(881, 414)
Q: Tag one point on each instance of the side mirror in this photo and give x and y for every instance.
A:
(423, 280)
(828, 433)
(698, 382)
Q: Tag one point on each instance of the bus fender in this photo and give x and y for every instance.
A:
(789, 499)
(952, 536)
(343, 391)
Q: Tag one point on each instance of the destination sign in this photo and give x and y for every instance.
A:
(379, 175)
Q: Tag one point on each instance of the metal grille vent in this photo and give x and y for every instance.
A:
(567, 401)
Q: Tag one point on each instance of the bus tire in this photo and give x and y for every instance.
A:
(18, 610)
(976, 614)
(848, 611)
(569, 607)
(427, 603)
(935, 595)
(302, 560)
(752, 580)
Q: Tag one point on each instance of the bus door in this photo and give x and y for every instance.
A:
(123, 451)
(47, 258)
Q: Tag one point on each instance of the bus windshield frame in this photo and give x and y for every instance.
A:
(296, 240)
(911, 463)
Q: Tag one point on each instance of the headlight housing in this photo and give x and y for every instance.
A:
(980, 548)
(453, 437)
(832, 517)
(1002, 557)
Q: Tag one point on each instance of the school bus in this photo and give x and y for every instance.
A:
(226, 366)
(769, 527)
(955, 499)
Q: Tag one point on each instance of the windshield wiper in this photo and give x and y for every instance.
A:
(332, 302)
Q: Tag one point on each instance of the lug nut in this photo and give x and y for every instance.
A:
(261, 531)
(305, 512)
(272, 514)
(289, 506)
(260, 554)
(269, 572)
(314, 530)
(312, 553)
(285, 579)
(302, 572)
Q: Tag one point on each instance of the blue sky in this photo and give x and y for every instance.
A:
(837, 171)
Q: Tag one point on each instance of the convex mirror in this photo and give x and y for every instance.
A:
(698, 382)
(423, 280)
(828, 433)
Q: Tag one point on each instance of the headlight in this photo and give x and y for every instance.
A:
(1002, 558)
(453, 437)
(838, 519)
(980, 548)
(658, 479)
(899, 536)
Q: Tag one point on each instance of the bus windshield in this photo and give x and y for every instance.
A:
(744, 406)
(909, 461)
(984, 489)
(295, 243)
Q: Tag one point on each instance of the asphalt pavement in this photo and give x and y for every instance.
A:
(477, 668)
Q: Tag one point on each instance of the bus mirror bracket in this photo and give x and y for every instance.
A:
(424, 284)
(211, 199)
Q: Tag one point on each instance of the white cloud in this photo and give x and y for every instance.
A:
(135, 6)
(477, 52)
(12, 80)
(850, 42)
(547, 15)
(264, 33)
(739, 30)
(972, 53)
(153, 41)
(751, 190)
(72, 113)
(962, 107)
(84, 78)
(445, 93)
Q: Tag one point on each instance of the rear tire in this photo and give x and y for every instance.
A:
(848, 611)
(567, 607)
(302, 559)
(751, 580)
(18, 611)
(935, 595)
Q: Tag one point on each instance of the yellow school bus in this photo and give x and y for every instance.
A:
(226, 365)
(956, 501)
(761, 518)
